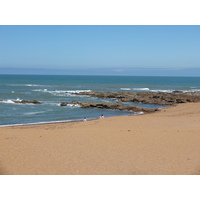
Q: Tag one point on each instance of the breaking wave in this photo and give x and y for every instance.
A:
(61, 92)
(77, 91)
(10, 101)
(33, 113)
(136, 89)
(125, 88)
(73, 105)
(28, 85)
(193, 89)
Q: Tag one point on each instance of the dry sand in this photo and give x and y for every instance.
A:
(165, 142)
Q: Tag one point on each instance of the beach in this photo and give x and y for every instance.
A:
(166, 142)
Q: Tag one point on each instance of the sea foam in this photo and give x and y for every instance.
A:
(10, 101)
(136, 89)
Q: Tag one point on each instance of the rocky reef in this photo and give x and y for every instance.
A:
(106, 105)
(160, 98)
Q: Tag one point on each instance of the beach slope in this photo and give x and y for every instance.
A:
(165, 142)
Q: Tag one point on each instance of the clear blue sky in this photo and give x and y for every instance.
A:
(100, 49)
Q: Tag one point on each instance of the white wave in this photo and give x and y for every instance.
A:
(56, 91)
(77, 91)
(170, 91)
(73, 105)
(33, 113)
(40, 90)
(7, 101)
(51, 103)
(138, 89)
(10, 101)
(192, 90)
(125, 88)
(28, 85)
(139, 113)
(61, 92)
(31, 85)
(160, 90)
(142, 89)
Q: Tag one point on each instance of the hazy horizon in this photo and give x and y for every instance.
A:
(187, 72)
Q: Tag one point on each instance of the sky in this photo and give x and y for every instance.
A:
(100, 50)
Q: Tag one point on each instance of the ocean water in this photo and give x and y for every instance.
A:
(51, 90)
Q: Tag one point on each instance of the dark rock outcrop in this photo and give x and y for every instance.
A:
(63, 104)
(103, 105)
(160, 98)
(25, 101)
(74, 102)
(113, 106)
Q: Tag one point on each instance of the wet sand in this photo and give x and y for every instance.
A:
(165, 142)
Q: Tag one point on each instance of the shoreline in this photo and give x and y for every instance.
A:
(68, 121)
(62, 122)
(165, 142)
(39, 123)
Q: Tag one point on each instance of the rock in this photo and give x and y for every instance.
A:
(156, 97)
(128, 99)
(63, 104)
(177, 91)
(87, 104)
(35, 102)
(74, 102)
(180, 101)
(135, 100)
(25, 101)
(140, 109)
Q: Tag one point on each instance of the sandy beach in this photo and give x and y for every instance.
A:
(166, 142)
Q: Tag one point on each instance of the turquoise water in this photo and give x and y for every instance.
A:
(55, 89)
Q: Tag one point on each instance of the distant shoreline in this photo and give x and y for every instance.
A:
(171, 76)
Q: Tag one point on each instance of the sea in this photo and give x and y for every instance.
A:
(54, 89)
